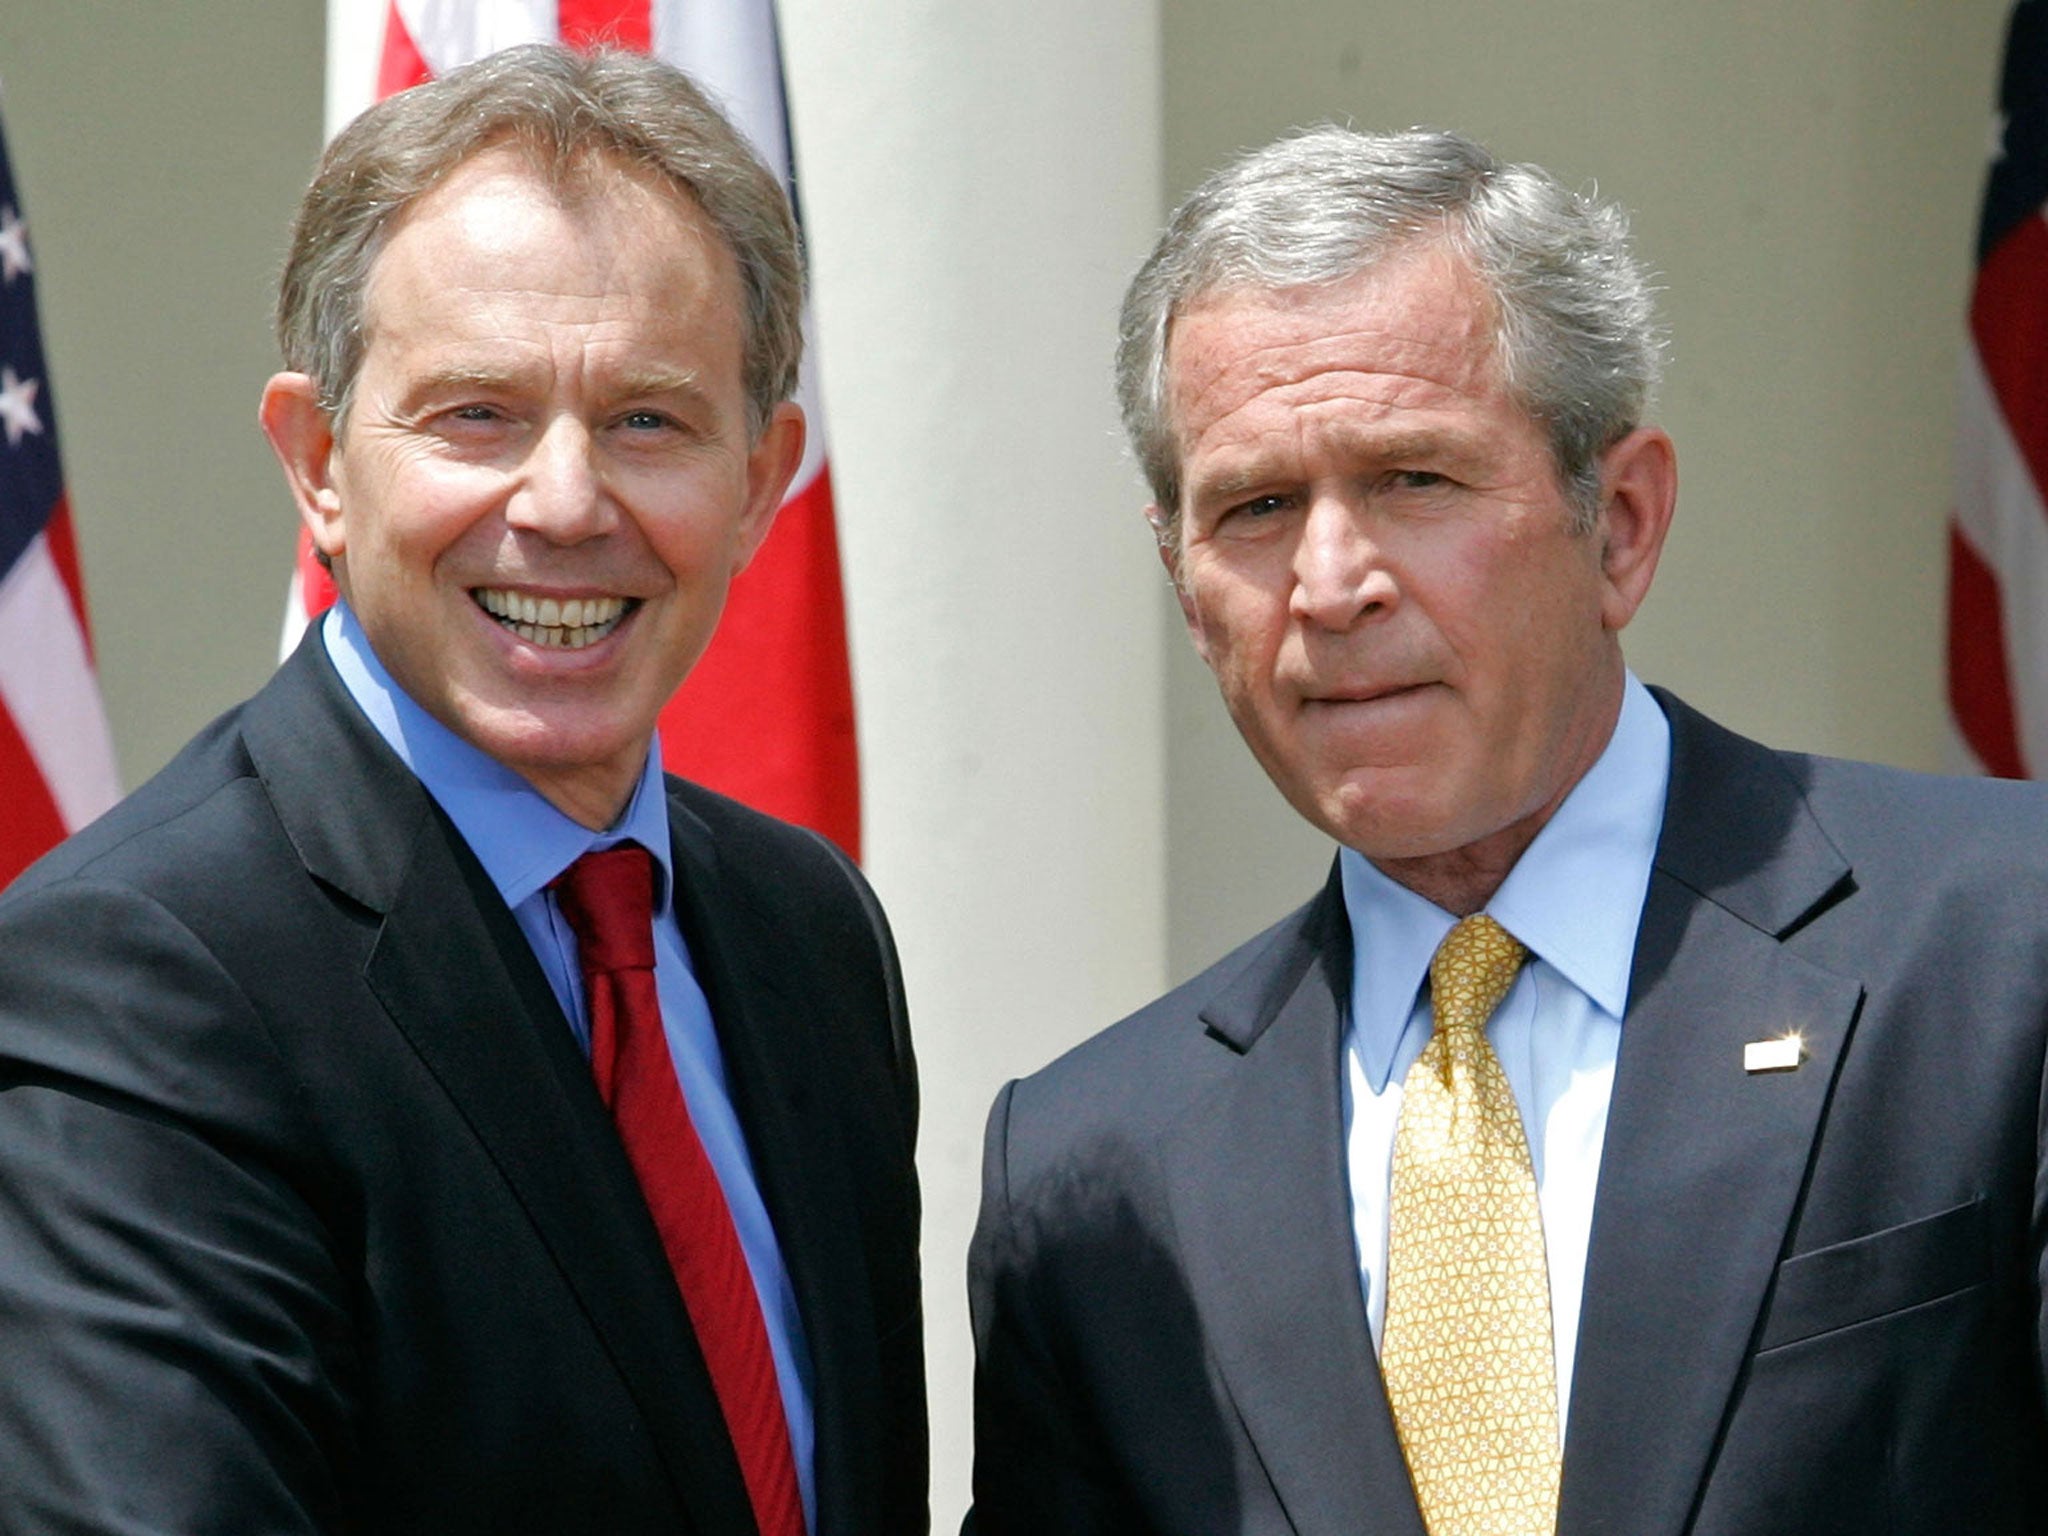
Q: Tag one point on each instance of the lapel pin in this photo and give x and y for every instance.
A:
(1783, 1054)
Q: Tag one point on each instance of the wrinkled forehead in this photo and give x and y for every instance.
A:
(596, 189)
(1417, 300)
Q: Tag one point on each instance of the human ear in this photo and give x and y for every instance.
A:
(771, 464)
(1638, 494)
(302, 437)
(1167, 537)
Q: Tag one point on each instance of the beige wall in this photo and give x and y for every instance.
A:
(159, 149)
(1805, 177)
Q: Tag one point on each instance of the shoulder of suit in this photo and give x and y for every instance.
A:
(192, 785)
(1876, 815)
(1932, 821)
(733, 820)
(763, 852)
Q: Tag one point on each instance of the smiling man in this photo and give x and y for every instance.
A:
(1641, 1130)
(416, 1113)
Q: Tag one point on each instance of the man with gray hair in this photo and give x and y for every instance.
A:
(1641, 1132)
(416, 1113)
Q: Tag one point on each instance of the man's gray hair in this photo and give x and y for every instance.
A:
(1575, 326)
(575, 116)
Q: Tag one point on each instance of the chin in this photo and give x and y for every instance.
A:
(1404, 836)
(1386, 809)
(552, 741)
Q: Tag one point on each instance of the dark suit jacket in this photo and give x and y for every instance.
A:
(311, 1218)
(1813, 1299)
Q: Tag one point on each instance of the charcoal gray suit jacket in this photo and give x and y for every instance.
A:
(1813, 1298)
(311, 1219)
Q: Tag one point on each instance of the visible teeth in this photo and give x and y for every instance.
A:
(551, 622)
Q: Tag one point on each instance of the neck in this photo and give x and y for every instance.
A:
(1465, 879)
(1462, 880)
(589, 797)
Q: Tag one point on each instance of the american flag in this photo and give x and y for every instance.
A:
(56, 758)
(1998, 540)
(767, 714)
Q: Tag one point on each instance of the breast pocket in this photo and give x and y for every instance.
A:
(1867, 1278)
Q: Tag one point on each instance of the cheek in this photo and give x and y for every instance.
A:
(689, 520)
(425, 517)
(1501, 605)
(1234, 614)
(1233, 650)
(694, 550)
(366, 496)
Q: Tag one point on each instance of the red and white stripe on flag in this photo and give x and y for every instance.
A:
(1998, 538)
(767, 714)
(56, 757)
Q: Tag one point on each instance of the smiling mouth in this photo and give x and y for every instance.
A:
(554, 624)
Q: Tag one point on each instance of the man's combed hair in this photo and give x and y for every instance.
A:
(575, 115)
(1575, 325)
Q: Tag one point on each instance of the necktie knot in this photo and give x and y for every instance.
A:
(1471, 972)
(608, 899)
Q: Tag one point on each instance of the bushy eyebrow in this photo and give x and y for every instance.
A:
(463, 378)
(455, 380)
(664, 381)
(1229, 484)
(1393, 449)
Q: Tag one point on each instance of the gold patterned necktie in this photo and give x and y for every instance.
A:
(1466, 1349)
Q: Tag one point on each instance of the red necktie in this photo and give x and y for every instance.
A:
(608, 898)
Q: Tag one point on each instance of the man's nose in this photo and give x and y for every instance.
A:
(1340, 570)
(561, 493)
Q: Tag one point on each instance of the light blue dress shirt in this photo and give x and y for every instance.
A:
(523, 843)
(1575, 898)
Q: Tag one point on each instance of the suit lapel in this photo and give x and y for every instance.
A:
(1259, 1197)
(459, 982)
(1703, 1160)
(776, 1039)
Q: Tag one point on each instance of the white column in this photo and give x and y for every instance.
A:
(979, 182)
(354, 30)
